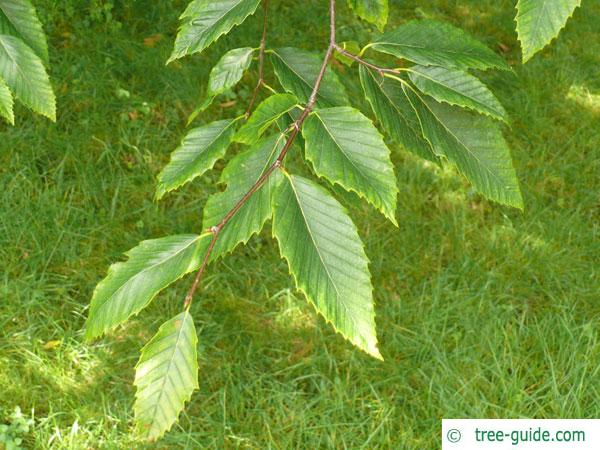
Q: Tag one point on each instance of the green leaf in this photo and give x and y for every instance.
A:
(240, 175)
(131, 285)
(18, 18)
(265, 115)
(373, 11)
(345, 148)
(227, 73)
(165, 376)
(326, 258)
(197, 153)
(297, 71)
(540, 21)
(203, 22)
(395, 113)
(433, 43)
(6, 103)
(349, 46)
(24, 73)
(474, 144)
(229, 70)
(458, 88)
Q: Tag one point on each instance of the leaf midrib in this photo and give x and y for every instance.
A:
(433, 80)
(309, 85)
(538, 19)
(458, 140)
(314, 242)
(340, 147)
(180, 333)
(146, 269)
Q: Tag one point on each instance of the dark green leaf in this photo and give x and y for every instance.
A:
(395, 113)
(297, 71)
(433, 43)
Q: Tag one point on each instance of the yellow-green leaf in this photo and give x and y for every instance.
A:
(131, 285)
(540, 21)
(166, 376)
(203, 22)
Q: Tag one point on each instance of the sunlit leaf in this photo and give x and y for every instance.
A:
(540, 21)
(345, 148)
(326, 258)
(24, 73)
(18, 18)
(6, 103)
(197, 153)
(131, 285)
(165, 376)
(203, 22)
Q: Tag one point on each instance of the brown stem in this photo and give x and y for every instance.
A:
(359, 60)
(216, 230)
(261, 58)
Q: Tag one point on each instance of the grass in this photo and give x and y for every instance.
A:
(482, 311)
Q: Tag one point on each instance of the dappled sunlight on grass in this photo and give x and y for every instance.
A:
(289, 312)
(584, 98)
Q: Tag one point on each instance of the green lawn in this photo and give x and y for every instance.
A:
(482, 311)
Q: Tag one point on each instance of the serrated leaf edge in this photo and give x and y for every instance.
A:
(376, 355)
(526, 58)
(113, 267)
(196, 384)
(392, 214)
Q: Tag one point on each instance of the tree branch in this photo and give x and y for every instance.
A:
(359, 60)
(297, 125)
(261, 58)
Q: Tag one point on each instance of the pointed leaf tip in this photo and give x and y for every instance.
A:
(326, 259)
(131, 285)
(345, 148)
(166, 376)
